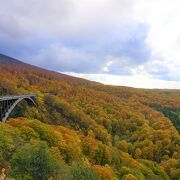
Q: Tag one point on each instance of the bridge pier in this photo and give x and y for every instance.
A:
(8, 103)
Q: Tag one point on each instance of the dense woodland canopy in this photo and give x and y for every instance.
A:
(86, 130)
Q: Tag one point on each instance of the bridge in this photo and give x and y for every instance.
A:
(8, 103)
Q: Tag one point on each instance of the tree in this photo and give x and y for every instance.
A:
(80, 171)
(34, 161)
(138, 153)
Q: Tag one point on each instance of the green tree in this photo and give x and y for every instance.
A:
(34, 161)
(81, 171)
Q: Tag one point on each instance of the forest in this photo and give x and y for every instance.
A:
(86, 130)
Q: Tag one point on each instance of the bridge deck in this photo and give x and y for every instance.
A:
(5, 98)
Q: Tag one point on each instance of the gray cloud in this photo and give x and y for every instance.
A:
(82, 36)
(64, 17)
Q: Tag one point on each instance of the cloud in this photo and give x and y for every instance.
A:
(116, 37)
(75, 36)
(138, 81)
(162, 17)
(65, 17)
(58, 57)
(113, 56)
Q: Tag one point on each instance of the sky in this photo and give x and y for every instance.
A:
(120, 42)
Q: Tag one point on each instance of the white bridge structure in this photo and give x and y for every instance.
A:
(8, 103)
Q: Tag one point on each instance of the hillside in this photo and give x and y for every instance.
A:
(86, 130)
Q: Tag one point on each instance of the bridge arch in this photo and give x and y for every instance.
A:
(11, 102)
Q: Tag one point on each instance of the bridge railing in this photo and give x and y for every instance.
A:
(3, 98)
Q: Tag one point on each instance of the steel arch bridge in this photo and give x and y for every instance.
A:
(8, 103)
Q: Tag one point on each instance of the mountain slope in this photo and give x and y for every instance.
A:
(8, 60)
(115, 131)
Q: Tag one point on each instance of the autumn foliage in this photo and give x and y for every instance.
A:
(87, 130)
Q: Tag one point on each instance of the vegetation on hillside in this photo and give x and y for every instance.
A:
(85, 130)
